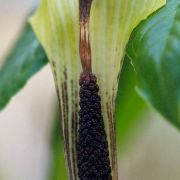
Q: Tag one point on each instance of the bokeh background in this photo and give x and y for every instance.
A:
(30, 144)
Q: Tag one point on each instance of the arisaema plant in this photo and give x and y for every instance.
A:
(86, 43)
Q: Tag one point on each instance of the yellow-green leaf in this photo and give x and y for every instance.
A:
(57, 27)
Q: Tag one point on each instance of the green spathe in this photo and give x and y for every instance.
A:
(57, 27)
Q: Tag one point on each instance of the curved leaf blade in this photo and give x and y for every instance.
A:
(26, 58)
(154, 48)
(129, 106)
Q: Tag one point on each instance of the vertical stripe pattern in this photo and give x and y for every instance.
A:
(57, 27)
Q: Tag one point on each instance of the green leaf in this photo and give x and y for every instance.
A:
(129, 106)
(154, 48)
(111, 23)
(57, 168)
(26, 58)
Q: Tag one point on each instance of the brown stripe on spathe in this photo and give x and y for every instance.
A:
(53, 65)
(65, 128)
(65, 109)
(111, 120)
(63, 112)
(74, 125)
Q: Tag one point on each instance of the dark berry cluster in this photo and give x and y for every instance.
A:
(92, 146)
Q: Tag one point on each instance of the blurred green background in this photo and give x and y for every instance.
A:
(30, 142)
